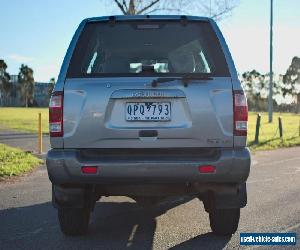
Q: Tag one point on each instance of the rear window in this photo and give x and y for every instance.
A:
(126, 48)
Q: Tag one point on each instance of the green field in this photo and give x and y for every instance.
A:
(14, 161)
(26, 119)
(269, 133)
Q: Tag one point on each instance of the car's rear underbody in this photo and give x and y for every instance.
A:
(149, 173)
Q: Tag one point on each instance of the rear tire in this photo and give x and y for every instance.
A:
(74, 221)
(224, 221)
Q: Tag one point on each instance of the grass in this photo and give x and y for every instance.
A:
(269, 133)
(14, 162)
(25, 119)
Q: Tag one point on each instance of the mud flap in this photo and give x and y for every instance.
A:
(72, 197)
(226, 200)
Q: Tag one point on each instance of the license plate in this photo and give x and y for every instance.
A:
(148, 111)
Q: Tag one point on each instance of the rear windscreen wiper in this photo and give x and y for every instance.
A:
(163, 79)
(185, 79)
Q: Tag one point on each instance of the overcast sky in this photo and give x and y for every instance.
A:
(38, 33)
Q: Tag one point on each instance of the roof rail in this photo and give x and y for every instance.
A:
(112, 20)
(183, 19)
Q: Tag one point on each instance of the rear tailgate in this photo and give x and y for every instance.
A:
(96, 113)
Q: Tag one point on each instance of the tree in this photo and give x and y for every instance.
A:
(216, 9)
(5, 84)
(255, 87)
(26, 81)
(51, 86)
(291, 81)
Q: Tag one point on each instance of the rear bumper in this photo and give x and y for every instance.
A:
(64, 167)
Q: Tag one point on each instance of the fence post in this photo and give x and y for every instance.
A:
(280, 126)
(257, 128)
(40, 135)
(299, 127)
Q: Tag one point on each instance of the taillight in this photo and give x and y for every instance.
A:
(89, 170)
(56, 114)
(240, 113)
(207, 169)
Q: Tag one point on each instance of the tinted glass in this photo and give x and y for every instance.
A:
(168, 47)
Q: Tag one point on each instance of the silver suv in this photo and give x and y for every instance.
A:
(148, 107)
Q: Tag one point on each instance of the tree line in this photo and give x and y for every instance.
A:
(25, 84)
(286, 89)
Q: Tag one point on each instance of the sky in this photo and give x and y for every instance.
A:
(37, 33)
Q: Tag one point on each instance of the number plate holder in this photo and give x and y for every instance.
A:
(148, 111)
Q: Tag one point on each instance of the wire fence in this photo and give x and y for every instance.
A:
(284, 129)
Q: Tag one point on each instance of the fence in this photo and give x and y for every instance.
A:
(284, 130)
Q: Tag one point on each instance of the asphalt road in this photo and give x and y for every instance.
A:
(28, 221)
(24, 140)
